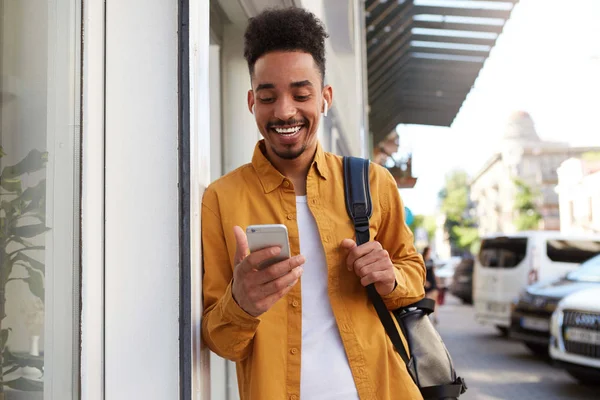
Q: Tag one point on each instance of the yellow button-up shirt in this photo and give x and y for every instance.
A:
(268, 349)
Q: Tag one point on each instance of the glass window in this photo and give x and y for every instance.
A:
(502, 252)
(39, 191)
(572, 251)
(589, 271)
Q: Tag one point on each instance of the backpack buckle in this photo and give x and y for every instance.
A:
(361, 219)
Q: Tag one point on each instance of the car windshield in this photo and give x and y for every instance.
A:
(589, 271)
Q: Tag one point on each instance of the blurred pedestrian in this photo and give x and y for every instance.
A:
(431, 286)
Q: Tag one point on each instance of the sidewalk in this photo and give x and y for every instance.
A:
(497, 368)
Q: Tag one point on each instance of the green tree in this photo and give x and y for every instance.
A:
(528, 217)
(455, 204)
(426, 222)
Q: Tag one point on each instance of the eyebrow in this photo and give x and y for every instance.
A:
(301, 84)
(264, 86)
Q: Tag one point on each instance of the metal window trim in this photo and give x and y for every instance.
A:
(185, 334)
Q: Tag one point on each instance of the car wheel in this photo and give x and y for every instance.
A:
(503, 330)
(584, 378)
(537, 349)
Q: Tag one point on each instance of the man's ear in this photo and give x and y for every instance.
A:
(327, 96)
(251, 101)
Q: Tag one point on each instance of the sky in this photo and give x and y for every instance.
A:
(546, 62)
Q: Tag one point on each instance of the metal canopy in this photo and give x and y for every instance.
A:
(423, 57)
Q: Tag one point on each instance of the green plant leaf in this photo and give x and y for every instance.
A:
(2, 153)
(26, 385)
(35, 264)
(34, 192)
(4, 337)
(27, 248)
(33, 197)
(10, 184)
(7, 206)
(36, 283)
(29, 231)
(8, 357)
(34, 161)
(11, 370)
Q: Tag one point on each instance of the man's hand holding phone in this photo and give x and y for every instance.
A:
(254, 289)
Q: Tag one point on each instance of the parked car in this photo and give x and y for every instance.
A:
(462, 282)
(575, 340)
(506, 264)
(530, 318)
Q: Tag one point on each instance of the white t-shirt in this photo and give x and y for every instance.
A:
(325, 373)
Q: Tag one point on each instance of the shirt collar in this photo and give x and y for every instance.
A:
(268, 175)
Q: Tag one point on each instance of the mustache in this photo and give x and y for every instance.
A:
(279, 122)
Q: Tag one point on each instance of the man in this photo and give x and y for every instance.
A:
(315, 337)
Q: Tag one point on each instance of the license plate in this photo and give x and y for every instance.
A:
(582, 336)
(535, 324)
(497, 307)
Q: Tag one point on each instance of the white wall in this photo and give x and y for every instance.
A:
(240, 132)
(579, 196)
(215, 87)
(142, 218)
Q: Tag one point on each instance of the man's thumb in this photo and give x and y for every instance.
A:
(241, 250)
(348, 244)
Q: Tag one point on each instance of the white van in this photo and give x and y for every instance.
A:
(506, 264)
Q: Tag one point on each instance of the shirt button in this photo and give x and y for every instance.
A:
(294, 351)
(290, 216)
(286, 184)
(314, 201)
(293, 397)
(295, 303)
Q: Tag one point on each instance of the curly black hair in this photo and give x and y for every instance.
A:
(285, 29)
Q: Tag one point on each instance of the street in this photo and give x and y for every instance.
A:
(496, 368)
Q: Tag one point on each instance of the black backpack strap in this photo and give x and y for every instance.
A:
(451, 391)
(358, 196)
(358, 204)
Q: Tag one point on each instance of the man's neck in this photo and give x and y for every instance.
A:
(295, 170)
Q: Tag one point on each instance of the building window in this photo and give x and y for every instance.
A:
(39, 187)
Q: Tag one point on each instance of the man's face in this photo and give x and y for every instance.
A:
(288, 100)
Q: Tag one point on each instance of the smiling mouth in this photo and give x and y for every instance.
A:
(288, 132)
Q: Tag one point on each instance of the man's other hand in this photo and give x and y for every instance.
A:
(372, 264)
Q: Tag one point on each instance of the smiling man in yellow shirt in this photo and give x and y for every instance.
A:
(302, 328)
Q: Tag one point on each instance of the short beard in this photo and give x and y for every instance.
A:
(289, 155)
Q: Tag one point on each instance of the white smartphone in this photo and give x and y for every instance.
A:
(263, 236)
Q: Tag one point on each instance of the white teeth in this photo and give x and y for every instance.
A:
(288, 131)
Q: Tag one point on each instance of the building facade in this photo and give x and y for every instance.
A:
(579, 196)
(522, 155)
(114, 117)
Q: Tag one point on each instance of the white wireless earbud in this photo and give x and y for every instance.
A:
(253, 108)
(325, 109)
